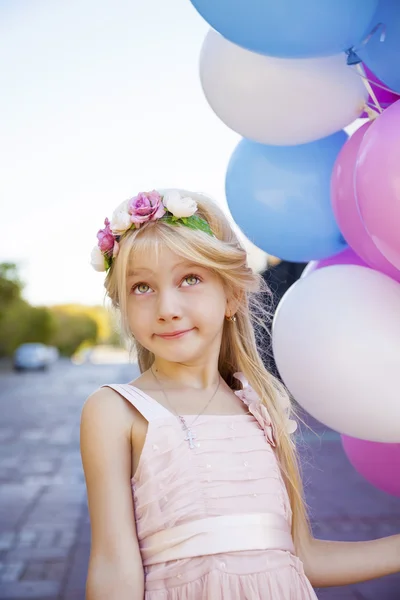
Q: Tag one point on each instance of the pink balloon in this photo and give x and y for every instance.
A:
(346, 257)
(345, 207)
(378, 463)
(384, 97)
(377, 188)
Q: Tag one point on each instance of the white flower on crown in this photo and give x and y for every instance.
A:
(121, 219)
(179, 206)
(97, 260)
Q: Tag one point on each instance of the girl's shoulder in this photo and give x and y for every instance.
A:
(106, 405)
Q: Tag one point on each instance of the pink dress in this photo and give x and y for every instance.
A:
(213, 522)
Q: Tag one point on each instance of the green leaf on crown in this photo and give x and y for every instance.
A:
(170, 219)
(108, 261)
(194, 222)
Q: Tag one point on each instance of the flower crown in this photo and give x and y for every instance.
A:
(171, 207)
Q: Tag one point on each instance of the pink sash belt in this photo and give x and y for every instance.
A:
(218, 535)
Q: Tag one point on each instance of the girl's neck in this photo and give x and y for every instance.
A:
(179, 376)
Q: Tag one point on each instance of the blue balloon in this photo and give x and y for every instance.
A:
(280, 197)
(381, 53)
(290, 28)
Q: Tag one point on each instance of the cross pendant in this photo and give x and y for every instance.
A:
(190, 436)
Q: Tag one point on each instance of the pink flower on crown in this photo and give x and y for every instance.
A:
(256, 408)
(146, 206)
(105, 238)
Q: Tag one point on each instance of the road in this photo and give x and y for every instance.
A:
(44, 525)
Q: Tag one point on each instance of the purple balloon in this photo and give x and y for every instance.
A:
(378, 463)
(346, 257)
(345, 207)
(376, 178)
(385, 97)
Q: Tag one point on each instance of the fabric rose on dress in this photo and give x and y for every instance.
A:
(260, 412)
(256, 408)
(146, 206)
(97, 260)
(179, 206)
(105, 237)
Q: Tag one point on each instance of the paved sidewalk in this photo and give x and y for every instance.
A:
(44, 526)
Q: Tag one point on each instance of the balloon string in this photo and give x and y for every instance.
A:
(380, 85)
(367, 84)
(383, 104)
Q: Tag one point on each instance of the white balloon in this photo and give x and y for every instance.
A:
(279, 101)
(336, 342)
(309, 268)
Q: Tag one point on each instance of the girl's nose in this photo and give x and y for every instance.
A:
(168, 307)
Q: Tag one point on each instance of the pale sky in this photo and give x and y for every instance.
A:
(99, 99)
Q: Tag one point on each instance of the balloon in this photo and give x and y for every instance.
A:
(347, 257)
(377, 182)
(289, 28)
(279, 197)
(384, 97)
(377, 463)
(279, 101)
(345, 207)
(381, 53)
(336, 343)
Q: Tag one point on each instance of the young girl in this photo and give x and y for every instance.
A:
(191, 471)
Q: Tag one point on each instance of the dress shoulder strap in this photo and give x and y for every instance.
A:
(145, 404)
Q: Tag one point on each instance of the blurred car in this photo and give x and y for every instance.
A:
(34, 356)
(102, 354)
(82, 356)
(54, 354)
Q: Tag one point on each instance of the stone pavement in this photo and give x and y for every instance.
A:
(44, 525)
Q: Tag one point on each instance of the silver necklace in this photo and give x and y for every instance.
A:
(190, 434)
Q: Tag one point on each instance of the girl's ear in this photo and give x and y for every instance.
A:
(232, 305)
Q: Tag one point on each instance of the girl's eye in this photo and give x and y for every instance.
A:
(191, 280)
(140, 289)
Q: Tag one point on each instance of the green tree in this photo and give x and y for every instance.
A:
(10, 285)
(71, 330)
(10, 301)
(24, 323)
(67, 327)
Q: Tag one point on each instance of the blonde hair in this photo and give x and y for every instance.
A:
(224, 255)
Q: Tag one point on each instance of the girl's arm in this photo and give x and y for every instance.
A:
(329, 563)
(115, 566)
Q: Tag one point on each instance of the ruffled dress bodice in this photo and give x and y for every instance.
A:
(213, 521)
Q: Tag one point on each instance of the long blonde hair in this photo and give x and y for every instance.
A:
(224, 255)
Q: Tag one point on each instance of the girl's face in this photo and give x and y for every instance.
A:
(175, 308)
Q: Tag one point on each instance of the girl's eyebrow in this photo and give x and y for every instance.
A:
(133, 272)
